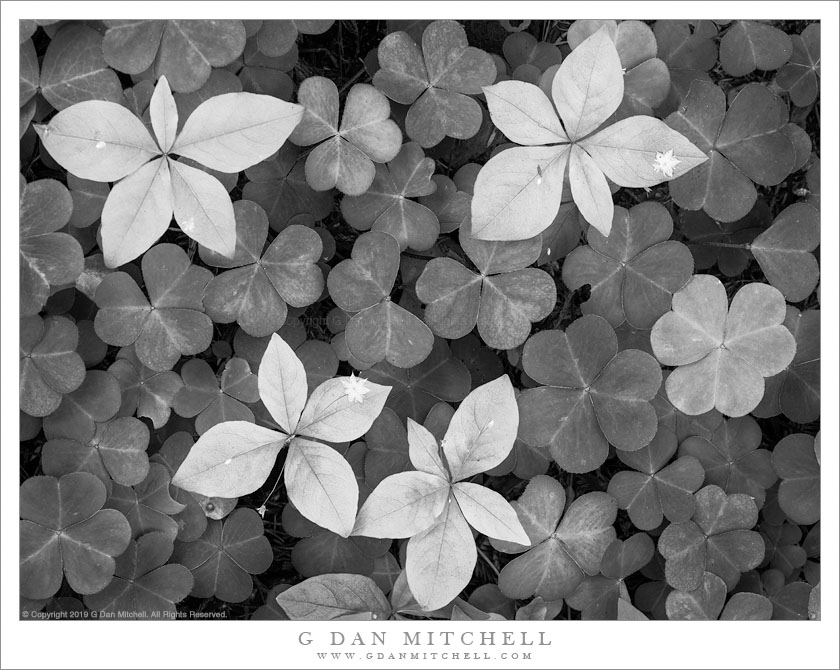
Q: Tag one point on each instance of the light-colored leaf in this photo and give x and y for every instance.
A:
(524, 113)
(203, 208)
(137, 212)
(98, 140)
(402, 505)
(282, 383)
(423, 450)
(321, 484)
(234, 131)
(440, 561)
(589, 85)
(328, 597)
(230, 460)
(333, 416)
(626, 151)
(164, 115)
(483, 429)
(518, 192)
(489, 513)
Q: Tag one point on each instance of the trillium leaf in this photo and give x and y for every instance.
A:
(489, 513)
(282, 384)
(137, 212)
(589, 85)
(322, 485)
(47, 257)
(163, 114)
(627, 152)
(49, 364)
(795, 461)
(435, 583)
(143, 587)
(518, 192)
(403, 505)
(223, 559)
(74, 70)
(590, 190)
(98, 140)
(634, 272)
(750, 45)
(423, 450)
(386, 207)
(328, 597)
(230, 460)
(330, 413)
(524, 113)
(723, 358)
(234, 131)
(784, 251)
(182, 50)
(482, 430)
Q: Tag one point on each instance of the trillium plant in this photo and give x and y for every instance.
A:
(376, 320)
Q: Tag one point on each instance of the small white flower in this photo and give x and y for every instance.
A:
(261, 510)
(666, 162)
(355, 389)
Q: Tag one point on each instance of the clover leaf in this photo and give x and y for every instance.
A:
(234, 458)
(718, 539)
(266, 75)
(504, 299)
(433, 506)
(723, 354)
(30, 74)
(523, 51)
(182, 50)
(102, 141)
(706, 603)
(346, 152)
(732, 459)
(47, 258)
(143, 587)
(565, 546)
(148, 506)
(223, 559)
(278, 185)
(441, 376)
(212, 401)
(750, 45)
(518, 192)
(65, 531)
(144, 392)
(795, 461)
(88, 200)
(745, 144)
(646, 78)
(795, 391)
(724, 243)
(386, 207)
(74, 69)
(593, 396)
(167, 325)
(256, 290)
(689, 54)
(277, 37)
(634, 272)
(380, 329)
(49, 364)
(784, 251)
(782, 548)
(597, 597)
(449, 203)
(657, 487)
(791, 600)
(116, 451)
(388, 451)
(436, 81)
(96, 400)
(800, 76)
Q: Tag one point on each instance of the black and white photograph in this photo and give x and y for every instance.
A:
(415, 336)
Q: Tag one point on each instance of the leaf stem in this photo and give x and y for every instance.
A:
(726, 245)
(487, 560)
(352, 80)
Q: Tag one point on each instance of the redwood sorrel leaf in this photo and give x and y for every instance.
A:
(795, 460)
(750, 45)
(723, 353)
(801, 75)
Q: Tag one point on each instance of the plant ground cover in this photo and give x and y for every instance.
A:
(305, 304)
